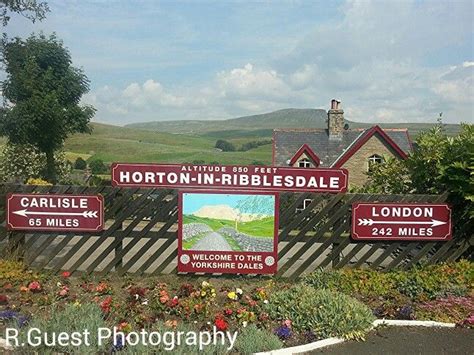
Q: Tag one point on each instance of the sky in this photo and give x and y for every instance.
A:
(387, 61)
(192, 202)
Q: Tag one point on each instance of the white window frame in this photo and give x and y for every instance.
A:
(304, 163)
(374, 159)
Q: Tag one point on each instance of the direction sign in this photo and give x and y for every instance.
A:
(229, 177)
(41, 212)
(406, 221)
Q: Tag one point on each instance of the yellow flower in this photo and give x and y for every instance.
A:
(232, 295)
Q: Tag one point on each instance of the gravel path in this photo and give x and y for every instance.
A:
(212, 241)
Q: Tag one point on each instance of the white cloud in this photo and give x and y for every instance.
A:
(379, 57)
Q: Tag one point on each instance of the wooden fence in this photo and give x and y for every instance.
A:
(140, 235)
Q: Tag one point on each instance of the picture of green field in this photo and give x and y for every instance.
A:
(228, 222)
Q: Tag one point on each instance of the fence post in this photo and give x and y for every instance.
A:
(119, 247)
(336, 257)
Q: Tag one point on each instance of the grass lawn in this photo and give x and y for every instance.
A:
(262, 228)
(188, 243)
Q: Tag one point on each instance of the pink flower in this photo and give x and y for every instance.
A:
(3, 300)
(64, 291)
(34, 286)
(66, 274)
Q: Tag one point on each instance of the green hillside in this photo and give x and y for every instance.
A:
(262, 125)
(112, 143)
(261, 228)
(166, 142)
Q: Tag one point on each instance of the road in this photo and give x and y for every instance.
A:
(407, 340)
(212, 241)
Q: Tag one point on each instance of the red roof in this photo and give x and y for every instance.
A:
(309, 152)
(362, 140)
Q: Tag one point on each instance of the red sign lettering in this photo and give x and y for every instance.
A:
(230, 177)
(395, 221)
(55, 212)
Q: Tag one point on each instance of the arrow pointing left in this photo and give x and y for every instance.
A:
(86, 214)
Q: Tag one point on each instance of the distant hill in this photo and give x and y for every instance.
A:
(265, 123)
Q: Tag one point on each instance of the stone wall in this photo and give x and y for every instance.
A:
(358, 164)
(192, 229)
(248, 243)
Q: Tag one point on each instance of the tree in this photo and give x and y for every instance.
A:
(438, 165)
(30, 9)
(97, 166)
(21, 163)
(257, 205)
(225, 146)
(80, 164)
(43, 90)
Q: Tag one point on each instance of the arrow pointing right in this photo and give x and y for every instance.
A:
(369, 222)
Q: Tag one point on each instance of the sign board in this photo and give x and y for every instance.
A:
(41, 212)
(229, 177)
(222, 232)
(401, 221)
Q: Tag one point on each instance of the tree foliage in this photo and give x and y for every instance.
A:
(225, 146)
(80, 164)
(440, 164)
(97, 166)
(20, 163)
(43, 92)
(31, 9)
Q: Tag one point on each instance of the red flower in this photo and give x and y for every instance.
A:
(164, 297)
(106, 304)
(66, 274)
(102, 288)
(3, 300)
(34, 286)
(228, 312)
(63, 292)
(221, 324)
(173, 302)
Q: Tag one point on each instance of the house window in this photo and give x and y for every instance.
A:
(304, 163)
(373, 160)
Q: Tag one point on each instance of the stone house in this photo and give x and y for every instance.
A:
(339, 147)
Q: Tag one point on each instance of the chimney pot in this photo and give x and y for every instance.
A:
(335, 121)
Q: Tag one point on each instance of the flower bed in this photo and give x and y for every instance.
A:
(266, 313)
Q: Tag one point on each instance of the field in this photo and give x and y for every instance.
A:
(112, 143)
(194, 141)
(260, 228)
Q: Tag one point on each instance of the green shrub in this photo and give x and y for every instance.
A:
(80, 164)
(69, 319)
(326, 313)
(253, 340)
(418, 284)
(225, 146)
(97, 166)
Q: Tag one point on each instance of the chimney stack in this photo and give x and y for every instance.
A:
(335, 120)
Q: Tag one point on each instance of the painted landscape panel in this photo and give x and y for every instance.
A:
(228, 232)
(228, 222)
